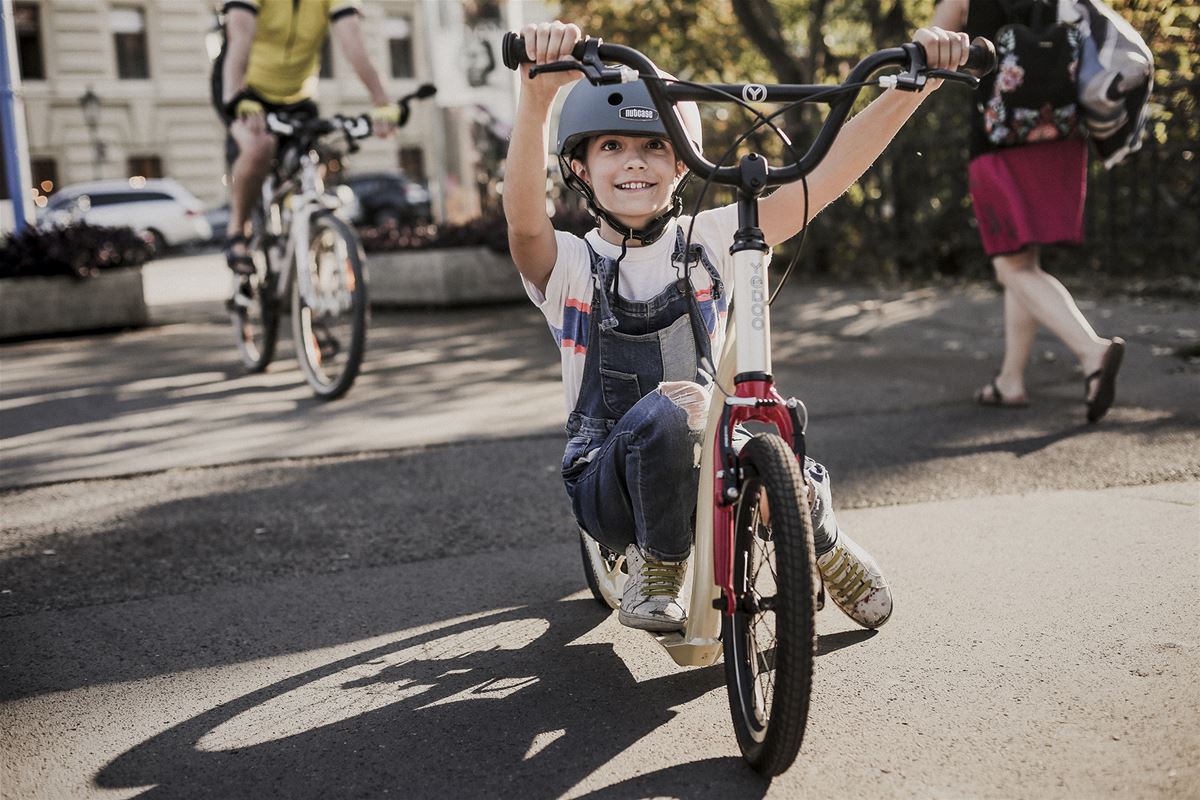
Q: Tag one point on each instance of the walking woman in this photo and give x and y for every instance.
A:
(1027, 196)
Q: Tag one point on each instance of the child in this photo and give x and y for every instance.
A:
(635, 318)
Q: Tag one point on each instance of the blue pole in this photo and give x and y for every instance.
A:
(8, 125)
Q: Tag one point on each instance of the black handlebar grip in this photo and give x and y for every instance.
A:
(981, 57)
(513, 50)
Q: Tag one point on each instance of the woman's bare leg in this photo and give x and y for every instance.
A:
(1020, 330)
(1047, 302)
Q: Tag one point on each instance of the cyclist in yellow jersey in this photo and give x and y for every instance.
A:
(270, 62)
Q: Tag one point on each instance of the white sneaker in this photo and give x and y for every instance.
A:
(650, 601)
(853, 580)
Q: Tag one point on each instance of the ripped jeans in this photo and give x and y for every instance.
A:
(639, 485)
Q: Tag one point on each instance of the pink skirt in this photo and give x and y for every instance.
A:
(1030, 195)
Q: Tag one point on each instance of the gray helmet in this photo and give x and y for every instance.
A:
(625, 109)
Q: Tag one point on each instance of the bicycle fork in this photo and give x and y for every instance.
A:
(326, 298)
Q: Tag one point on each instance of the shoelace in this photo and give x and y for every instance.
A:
(845, 579)
(661, 578)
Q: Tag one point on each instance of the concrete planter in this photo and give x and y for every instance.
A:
(36, 306)
(443, 277)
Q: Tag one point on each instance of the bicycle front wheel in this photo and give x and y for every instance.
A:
(769, 640)
(329, 314)
(254, 306)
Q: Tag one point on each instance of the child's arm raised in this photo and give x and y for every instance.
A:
(860, 142)
(530, 233)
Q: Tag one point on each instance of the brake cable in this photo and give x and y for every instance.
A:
(766, 120)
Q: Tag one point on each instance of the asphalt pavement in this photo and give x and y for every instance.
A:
(213, 585)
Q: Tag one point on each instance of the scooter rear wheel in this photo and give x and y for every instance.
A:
(603, 570)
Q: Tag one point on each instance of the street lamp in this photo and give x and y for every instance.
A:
(90, 103)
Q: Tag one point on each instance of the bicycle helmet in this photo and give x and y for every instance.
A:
(624, 109)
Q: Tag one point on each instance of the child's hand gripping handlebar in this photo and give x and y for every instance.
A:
(591, 53)
(593, 57)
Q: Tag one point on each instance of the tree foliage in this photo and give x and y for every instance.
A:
(910, 213)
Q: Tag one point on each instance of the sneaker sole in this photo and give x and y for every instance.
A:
(870, 627)
(650, 624)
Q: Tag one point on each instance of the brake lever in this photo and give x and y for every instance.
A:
(591, 65)
(952, 75)
(917, 75)
(555, 66)
(914, 79)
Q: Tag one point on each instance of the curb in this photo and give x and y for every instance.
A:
(61, 304)
(443, 277)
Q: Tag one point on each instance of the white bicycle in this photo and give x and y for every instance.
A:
(305, 253)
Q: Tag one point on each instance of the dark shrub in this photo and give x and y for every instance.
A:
(79, 250)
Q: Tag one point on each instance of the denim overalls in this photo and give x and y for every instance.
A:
(630, 466)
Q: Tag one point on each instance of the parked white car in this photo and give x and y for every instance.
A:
(159, 209)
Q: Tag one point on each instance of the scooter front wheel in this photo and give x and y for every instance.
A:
(769, 639)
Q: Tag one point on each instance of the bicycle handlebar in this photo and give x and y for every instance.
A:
(357, 127)
(592, 57)
(423, 91)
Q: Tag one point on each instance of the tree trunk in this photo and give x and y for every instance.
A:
(760, 21)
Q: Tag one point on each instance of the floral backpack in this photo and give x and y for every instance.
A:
(1034, 96)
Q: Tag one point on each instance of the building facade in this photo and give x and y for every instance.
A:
(119, 88)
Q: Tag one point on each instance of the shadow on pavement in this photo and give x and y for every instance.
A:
(167, 533)
(832, 642)
(502, 706)
(712, 777)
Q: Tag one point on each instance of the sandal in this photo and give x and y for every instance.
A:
(991, 396)
(241, 263)
(1106, 391)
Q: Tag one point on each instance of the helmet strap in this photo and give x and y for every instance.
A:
(647, 234)
(616, 284)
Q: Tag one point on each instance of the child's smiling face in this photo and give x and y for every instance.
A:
(632, 177)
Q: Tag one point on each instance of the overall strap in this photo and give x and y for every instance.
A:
(601, 268)
(697, 253)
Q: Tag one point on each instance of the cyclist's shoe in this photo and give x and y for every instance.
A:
(327, 343)
(651, 598)
(243, 295)
(238, 257)
(854, 582)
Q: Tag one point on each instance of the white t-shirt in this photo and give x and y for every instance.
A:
(645, 272)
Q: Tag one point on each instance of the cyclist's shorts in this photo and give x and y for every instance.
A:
(306, 108)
